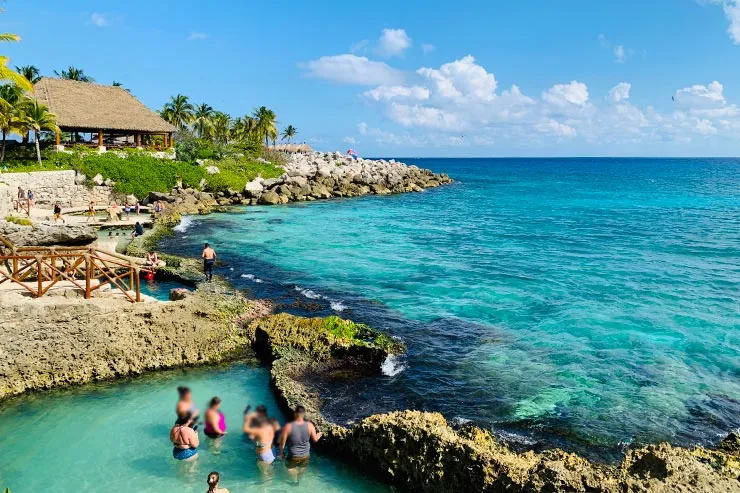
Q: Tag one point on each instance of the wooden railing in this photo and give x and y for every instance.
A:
(38, 269)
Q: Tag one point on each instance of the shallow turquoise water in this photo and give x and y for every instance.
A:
(115, 437)
(577, 302)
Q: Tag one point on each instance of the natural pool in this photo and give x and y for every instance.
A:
(114, 437)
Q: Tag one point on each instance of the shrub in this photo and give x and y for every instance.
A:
(236, 172)
(22, 221)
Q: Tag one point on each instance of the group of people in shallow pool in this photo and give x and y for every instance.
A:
(292, 441)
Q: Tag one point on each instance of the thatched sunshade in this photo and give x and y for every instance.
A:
(293, 148)
(93, 107)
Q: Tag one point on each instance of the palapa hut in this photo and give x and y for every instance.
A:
(293, 148)
(113, 113)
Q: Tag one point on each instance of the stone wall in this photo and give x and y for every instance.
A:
(49, 186)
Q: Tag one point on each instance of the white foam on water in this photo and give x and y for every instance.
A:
(392, 366)
(311, 295)
(185, 223)
(258, 281)
(459, 421)
(247, 276)
(337, 305)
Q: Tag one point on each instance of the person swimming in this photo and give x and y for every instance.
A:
(186, 405)
(215, 420)
(213, 479)
(184, 439)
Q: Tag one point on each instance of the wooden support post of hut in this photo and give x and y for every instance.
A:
(112, 112)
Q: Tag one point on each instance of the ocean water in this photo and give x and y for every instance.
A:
(115, 437)
(585, 303)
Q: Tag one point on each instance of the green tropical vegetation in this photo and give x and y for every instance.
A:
(74, 73)
(179, 112)
(30, 72)
(289, 133)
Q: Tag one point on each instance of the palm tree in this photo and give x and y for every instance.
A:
(10, 96)
(179, 112)
(35, 116)
(30, 72)
(74, 73)
(202, 119)
(6, 73)
(221, 127)
(266, 124)
(289, 133)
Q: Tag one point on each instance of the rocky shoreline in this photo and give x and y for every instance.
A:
(319, 175)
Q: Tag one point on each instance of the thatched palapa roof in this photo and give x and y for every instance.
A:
(85, 105)
(293, 148)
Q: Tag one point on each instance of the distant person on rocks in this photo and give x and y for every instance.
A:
(215, 420)
(90, 212)
(58, 213)
(214, 479)
(138, 208)
(209, 258)
(157, 208)
(127, 210)
(20, 200)
(138, 229)
(298, 435)
(152, 260)
(31, 199)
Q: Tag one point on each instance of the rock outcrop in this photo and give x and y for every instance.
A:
(45, 235)
(319, 176)
(52, 342)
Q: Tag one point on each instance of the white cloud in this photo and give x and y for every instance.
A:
(352, 69)
(562, 95)
(550, 126)
(359, 46)
(423, 116)
(732, 12)
(362, 128)
(461, 80)
(349, 140)
(393, 42)
(197, 36)
(386, 93)
(620, 92)
(702, 96)
(620, 54)
(428, 48)
(99, 19)
(705, 127)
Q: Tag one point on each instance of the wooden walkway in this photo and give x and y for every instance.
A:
(39, 269)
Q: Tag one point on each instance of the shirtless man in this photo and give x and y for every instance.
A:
(209, 258)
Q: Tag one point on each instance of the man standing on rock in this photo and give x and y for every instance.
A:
(209, 258)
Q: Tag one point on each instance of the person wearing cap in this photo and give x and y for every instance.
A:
(209, 258)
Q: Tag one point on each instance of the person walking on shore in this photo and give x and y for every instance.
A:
(58, 213)
(298, 435)
(209, 258)
(90, 212)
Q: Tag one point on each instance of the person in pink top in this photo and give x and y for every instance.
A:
(215, 420)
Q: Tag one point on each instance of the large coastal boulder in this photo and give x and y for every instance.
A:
(164, 197)
(45, 235)
(254, 188)
(269, 198)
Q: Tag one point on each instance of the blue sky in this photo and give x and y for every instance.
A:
(420, 78)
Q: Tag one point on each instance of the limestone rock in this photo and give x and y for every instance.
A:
(269, 198)
(98, 179)
(80, 179)
(45, 235)
(254, 188)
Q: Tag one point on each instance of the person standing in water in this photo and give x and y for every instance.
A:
(259, 429)
(209, 258)
(214, 479)
(185, 405)
(184, 439)
(298, 435)
(215, 420)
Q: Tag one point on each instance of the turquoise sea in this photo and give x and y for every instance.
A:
(585, 303)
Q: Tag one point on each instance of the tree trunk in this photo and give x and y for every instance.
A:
(2, 153)
(38, 147)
